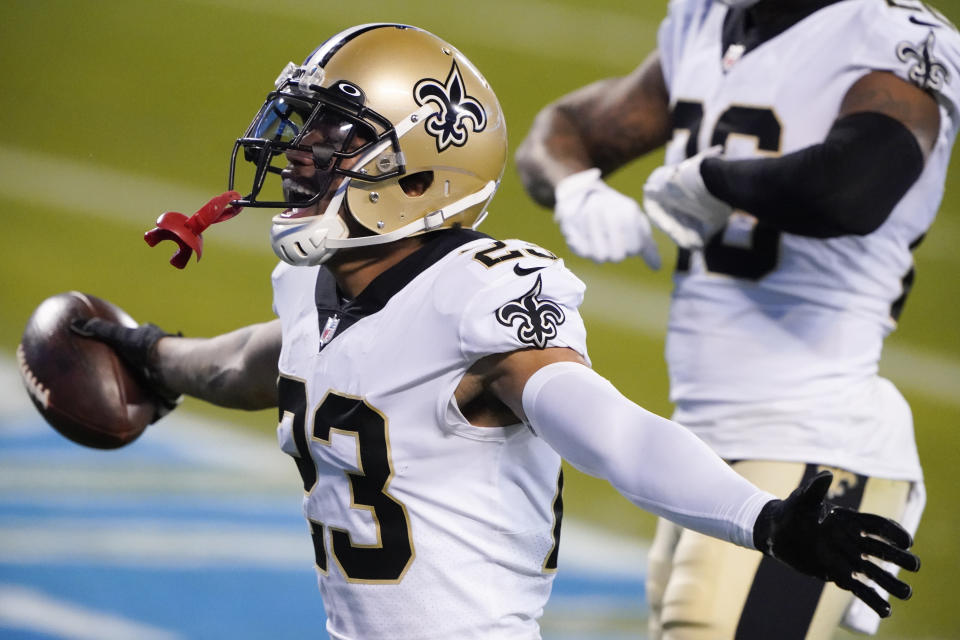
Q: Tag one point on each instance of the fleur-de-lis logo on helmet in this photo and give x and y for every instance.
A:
(448, 126)
(926, 71)
(538, 318)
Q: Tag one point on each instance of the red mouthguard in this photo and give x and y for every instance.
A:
(187, 232)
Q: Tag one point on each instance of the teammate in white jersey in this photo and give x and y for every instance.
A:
(807, 143)
(430, 378)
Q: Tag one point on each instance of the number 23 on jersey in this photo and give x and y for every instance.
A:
(385, 561)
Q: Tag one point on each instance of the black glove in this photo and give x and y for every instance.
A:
(831, 543)
(135, 347)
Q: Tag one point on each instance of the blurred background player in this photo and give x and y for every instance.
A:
(429, 377)
(807, 143)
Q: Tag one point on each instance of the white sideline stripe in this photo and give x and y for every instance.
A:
(37, 612)
(153, 543)
(617, 39)
(171, 544)
(119, 196)
(585, 549)
(25, 475)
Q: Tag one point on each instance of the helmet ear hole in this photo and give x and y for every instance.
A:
(416, 184)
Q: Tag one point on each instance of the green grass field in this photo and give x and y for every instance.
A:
(113, 112)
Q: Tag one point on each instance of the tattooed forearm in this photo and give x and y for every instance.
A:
(552, 150)
(605, 125)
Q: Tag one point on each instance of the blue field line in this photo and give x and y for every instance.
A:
(24, 435)
(21, 634)
(31, 440)
(575, 583)
(229, 603)
(43, 451)
(233, 510)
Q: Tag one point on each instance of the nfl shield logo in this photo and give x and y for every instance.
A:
(732, 56)
(328, 330)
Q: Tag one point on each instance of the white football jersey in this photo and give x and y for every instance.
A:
(774, 339)
(424, 526)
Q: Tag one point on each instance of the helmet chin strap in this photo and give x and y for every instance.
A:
(432, 220)
(314, 242)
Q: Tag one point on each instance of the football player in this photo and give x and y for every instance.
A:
(807, 143)
(429, 378)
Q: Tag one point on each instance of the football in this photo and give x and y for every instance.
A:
(79, 385)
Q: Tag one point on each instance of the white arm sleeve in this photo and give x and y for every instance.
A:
(657, 464)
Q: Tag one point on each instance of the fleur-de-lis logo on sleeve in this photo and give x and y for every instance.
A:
(538, 319)
(925, 71)
(448, 125)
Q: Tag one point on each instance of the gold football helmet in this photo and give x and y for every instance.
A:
(399, 106)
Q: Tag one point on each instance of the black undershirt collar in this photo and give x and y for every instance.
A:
(336, 313)
(763, 21)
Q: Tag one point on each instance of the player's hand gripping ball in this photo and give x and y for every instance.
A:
(80, 386)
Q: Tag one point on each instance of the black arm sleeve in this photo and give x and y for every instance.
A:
(848, 184)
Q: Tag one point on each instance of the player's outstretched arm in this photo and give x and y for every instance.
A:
(236, 370)
(662, 467)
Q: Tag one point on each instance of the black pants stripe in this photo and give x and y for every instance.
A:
(781, 602)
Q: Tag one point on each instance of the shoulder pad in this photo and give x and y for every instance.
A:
(528, 299)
